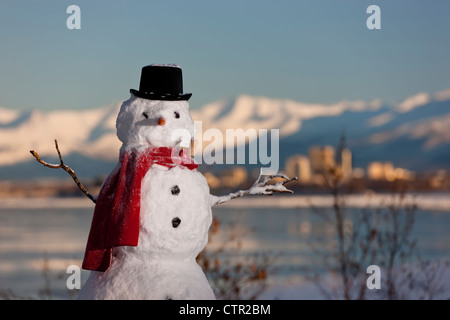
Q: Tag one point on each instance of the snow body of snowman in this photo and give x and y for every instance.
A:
(172, 201)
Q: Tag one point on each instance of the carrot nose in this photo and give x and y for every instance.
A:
(161, 121)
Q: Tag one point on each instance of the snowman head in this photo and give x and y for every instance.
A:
(157, 114)
(156, 123)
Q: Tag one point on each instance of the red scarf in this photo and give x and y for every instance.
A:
(116, 215)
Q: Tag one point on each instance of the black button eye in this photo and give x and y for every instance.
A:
(175, 190)
(176, 222)
(145, 114)
(177, 115)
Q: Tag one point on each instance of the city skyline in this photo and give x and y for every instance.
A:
(324, 160)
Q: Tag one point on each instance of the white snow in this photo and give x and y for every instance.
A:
(413, 102)
(173, 225)
(163, 264)
(137, 123)
(442, 95)
(159, 207)
(8, 115)
(381, 119)
(88, 132)
(134, 276)
(434, 131)
(256, 113)
(92, 132)
(173, 65)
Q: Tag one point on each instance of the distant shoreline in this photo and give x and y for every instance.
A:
(431, 201)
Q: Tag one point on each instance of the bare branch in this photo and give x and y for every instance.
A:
(258, 188)
(59, 153)
(65, 168)
(289, 180)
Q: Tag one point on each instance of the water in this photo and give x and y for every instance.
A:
(37, 245)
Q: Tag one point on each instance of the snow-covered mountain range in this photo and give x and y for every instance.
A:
(414, 134)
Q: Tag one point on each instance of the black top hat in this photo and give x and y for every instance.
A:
(161, 82)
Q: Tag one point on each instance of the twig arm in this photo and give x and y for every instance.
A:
(259, 187)
(65, 168)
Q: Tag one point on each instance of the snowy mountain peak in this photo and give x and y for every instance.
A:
(420, 123)
(8, 116)
(265, 113)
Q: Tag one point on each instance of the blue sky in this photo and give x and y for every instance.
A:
(313, 51)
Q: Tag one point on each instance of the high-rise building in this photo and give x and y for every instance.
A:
(346, 164)
(322, 159)
(299, 166)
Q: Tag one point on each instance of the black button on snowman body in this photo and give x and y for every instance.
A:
(175, 190)
(175, 221)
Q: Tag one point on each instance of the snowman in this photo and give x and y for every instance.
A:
(153, 212)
